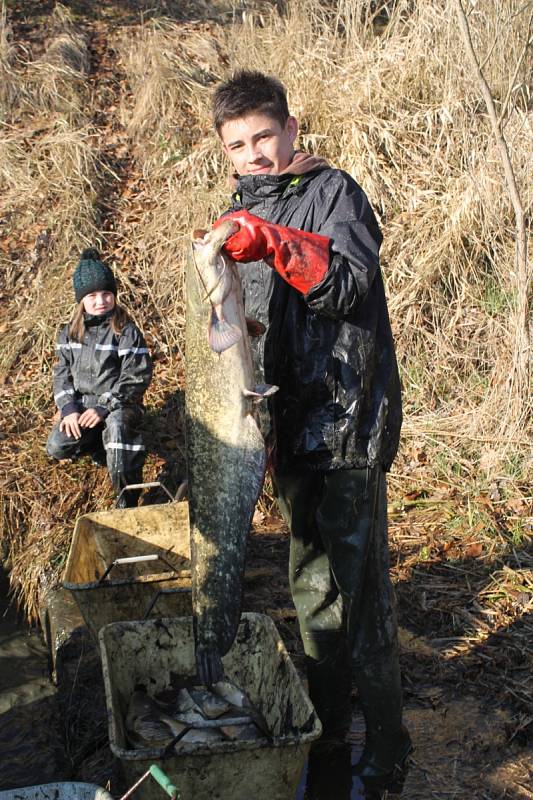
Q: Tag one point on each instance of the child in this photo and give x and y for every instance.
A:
(309, 243)
(102, 373)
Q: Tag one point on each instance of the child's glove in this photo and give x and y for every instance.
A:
(301, 258)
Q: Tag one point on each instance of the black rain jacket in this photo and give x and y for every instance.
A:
(331, 351)
(107, 371)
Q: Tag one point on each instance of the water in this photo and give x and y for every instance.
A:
(329, 776)
(29, 728)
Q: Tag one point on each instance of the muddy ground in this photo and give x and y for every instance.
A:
(468, 720)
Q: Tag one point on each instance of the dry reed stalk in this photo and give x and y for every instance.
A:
(57, 81)
(52, 184)
(171, 70)
(9, 84)
(518, 380)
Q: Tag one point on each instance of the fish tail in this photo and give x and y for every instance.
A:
(222, 335)
(209, 665)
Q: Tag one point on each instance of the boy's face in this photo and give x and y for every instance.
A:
(257, 144)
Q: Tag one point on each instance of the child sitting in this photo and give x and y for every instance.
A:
(102, 373)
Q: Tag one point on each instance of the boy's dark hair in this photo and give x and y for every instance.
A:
(247, 92)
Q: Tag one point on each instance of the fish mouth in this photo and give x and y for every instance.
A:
(233, 227)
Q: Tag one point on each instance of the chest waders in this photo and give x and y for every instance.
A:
(340, 583)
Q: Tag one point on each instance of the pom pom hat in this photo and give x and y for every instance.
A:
(92, 275)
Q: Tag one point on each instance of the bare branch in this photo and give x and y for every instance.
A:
(521, 10)
(519, 374)
(519, 63)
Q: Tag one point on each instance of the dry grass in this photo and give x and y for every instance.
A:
(383, 94)
(400, 112)
(49, 183)
(54, 82)
(171, 70)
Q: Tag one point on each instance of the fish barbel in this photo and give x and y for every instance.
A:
(225, 449)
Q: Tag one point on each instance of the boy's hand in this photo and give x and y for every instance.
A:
(301, 258)
(90, 418)
(249, 243)
(71, 425)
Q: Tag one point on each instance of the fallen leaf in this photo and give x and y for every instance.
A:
(474, 550)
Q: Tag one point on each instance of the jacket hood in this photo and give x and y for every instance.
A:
(263, 186)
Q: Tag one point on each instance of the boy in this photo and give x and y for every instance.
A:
(310, 242)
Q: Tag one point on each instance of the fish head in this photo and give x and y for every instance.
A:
(212, 264)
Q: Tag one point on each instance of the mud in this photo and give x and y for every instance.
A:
(53, 722)
(466, 748)
(29, 730)
(469, 745)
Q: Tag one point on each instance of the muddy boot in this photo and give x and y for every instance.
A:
(383, 764)
(98, 457)
(329, 680)
(329, 775)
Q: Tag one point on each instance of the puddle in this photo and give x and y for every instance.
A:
(330, 777)
(29, 731)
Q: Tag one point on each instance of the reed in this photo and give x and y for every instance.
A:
(381, 90)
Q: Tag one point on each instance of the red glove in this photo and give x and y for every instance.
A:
(301, 258)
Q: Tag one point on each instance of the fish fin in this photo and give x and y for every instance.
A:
(222, 335)
(260, 392)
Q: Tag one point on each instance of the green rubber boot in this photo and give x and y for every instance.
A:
(384, 763)
(329, 680)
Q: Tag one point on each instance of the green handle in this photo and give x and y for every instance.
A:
(164, 782)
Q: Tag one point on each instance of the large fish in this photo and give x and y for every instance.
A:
(225, 448)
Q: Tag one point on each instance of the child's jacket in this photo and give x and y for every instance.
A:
(331, 351)
(107, 371)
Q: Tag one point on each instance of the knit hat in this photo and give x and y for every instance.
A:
(92, 275)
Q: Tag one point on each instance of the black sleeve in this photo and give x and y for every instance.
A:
(66, 397)
(345, 216)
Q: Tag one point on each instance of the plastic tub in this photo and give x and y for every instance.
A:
(147, 652)
(127, 564)
(57, 791)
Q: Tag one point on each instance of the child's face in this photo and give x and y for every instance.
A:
(257, 144)
(98, 303)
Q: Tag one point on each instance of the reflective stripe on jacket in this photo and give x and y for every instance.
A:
(108, 370)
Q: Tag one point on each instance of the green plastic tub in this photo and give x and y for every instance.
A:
(148, 652)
